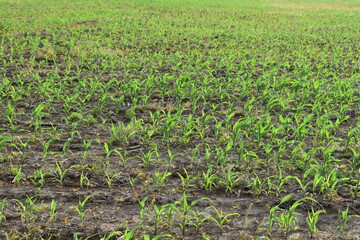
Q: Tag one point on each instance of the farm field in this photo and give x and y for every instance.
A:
(179, 119)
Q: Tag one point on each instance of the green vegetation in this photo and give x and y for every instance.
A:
(176, 119)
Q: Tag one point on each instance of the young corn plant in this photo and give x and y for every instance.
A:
(272, 214)
(301, 183)
(65, 149)
(22, 148)
(261, 127)
(60, 173)
(110, 177)
(354, 162)
(109, 236)
(143, 211)
(328, 158)
(84, 181)
(312, 220)
(158, 218)
(344, 218)
(37, 115)
(123, 157)
(286, 220)
(188, 130)
(147, 158)
(160, 178)
(327, 183)
(19, 175)
(147, 237)
(184, 211)
(231, 180)
(76, 236)
(279, 182)
(132, 181)
(52, 213)
(170, 122)
(27, 209)
(258, 185)
(80, 209)
(221, 220)
(210, 179)
(39, 177)
(302, 127)
(46, 148)
(128, 235)
(2, 207)
(86, 152)
(353, 136)
(250, 157)
(197, 219)
(186, 181)
(10, 114)
(108, 153)
(171, 157)
(4, 141)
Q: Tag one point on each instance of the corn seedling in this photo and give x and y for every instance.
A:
(230, 180)
(158, 218)
(60, 173)
(23, 147)
(110, 177)
(147, 158)
(27, 208)
(77, 234)
(86, 152)
(354, 162)
(38, 114)
(287, 220)
(171, 157)
(110, 235)
(46, 148)
(197, 219)
(312, 220)
(160, 178)
(170, 122)
(52, 214)
(272, 214)
(39, 177)
(147, 237)
(2, 207)
(128, 235)
(80, 208)
(221, 219)
(184, 211)
(143, 210)
(84, 180)
(258, 185)
(344, 218)
(19, 175)
(186, 181)
(170, 213)
(210, 179)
